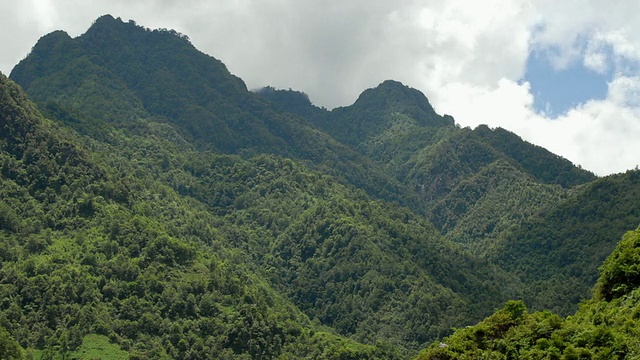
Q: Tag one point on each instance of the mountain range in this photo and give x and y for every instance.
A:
(154, 207)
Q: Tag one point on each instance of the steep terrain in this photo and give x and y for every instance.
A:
(254, 206)
(532, 212)
(315, 240)
(99, 247)
(605, 327)
(151, 200)
(119, 73)
(388, 124)
(572, 240)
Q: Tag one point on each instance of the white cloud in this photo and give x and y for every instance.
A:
(596, 59)
(464, 82)
(599, 135)
(605, 132)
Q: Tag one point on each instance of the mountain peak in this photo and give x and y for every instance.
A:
(394, 97)
(292, 97)
(106, 19)
(106, 23)
(57, 42)
(393, 94)
(108, 30)
(387, 111)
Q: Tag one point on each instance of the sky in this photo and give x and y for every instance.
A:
(564, 75)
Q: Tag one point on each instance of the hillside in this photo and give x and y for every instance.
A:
(304, 226)
(152, 203)
(533, 213)
(96, 246)
(572, 239)
(118, 73)
(605, 327)
(252, 206)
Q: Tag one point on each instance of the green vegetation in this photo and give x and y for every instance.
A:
(99, 347)
(9, 348)
(606, 327)
(107, 250)
(548, 223)
(117, 74)
(573, 238)
(152, 207)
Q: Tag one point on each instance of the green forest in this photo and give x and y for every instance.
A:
(152, 207)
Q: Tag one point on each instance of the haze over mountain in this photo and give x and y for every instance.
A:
(151, 200)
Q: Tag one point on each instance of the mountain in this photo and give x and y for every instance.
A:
(605, 327)
(94, 248)
(261, 213)
(481, 188)
(117, 74)
(488, 190)
(388, 109)
(310, 228)
(387, 124)
(153, 205)
(573, 238)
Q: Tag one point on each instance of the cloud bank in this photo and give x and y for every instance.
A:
(469, 58)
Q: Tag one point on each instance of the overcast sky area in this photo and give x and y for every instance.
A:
(564, 75)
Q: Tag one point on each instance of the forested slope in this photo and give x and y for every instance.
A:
(530, 211)
(344, 259)
(91, 244)
(349, 261)
(605, 327)
(117, 72)
(152, 201)
(572, 239)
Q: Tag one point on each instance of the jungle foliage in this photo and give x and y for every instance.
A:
(153, 206)
(605, 327)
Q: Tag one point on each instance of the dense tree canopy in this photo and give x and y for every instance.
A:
(606, 327)
(152, 207)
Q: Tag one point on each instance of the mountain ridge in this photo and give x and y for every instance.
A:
(100, 248)
(202, 100)
(381, 222)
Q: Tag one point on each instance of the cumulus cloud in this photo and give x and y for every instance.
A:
(596, 58)
(468, 57)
